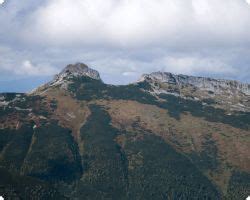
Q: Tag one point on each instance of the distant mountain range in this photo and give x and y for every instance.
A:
(165, 136)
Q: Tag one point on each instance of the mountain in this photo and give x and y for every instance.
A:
(164, 137)
(213, 85)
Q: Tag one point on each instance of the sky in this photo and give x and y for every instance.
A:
(123, 39)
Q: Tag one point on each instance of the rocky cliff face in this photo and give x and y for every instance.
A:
(75, 70)
(203, 83)
(227, 94)
(64, 78)
(79, 69)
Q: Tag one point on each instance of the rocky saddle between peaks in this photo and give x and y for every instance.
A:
(165, 136)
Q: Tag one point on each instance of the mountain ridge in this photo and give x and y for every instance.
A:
(77, 137)
(226, 94)
(204, 83)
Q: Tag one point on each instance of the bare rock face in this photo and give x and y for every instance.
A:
(227, 94)
(208, 84)
(64, 78)
(79, 69)
(74, 70)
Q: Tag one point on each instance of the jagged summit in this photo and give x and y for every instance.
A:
(65, 76)
(74, 70)
(203, 83)
(79, 69)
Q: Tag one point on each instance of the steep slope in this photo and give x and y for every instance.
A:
(164, 137)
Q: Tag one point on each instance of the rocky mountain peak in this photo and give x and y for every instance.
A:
(202, 83)
(79, 69)
(65, 76)
(74, 70)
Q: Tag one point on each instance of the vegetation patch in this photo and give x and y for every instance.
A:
(239, 186)
(15, 145)
(14, 186)
(53, 155)
(145, 167)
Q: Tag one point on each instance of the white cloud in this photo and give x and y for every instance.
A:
(125, 69)
(128, 73)
(142, 22)
(1, 1)
(125, 38)
(196, 65)
(29, 69)
(13, 62)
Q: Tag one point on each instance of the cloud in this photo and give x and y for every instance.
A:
(12, 63)
(126, 69)
(125, 38)
(196, 65)
(29, 69)
(128, 73)
(133, 23)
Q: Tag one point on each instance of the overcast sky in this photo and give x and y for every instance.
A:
(123, 39)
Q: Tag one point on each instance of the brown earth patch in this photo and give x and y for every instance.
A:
(71, 113)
